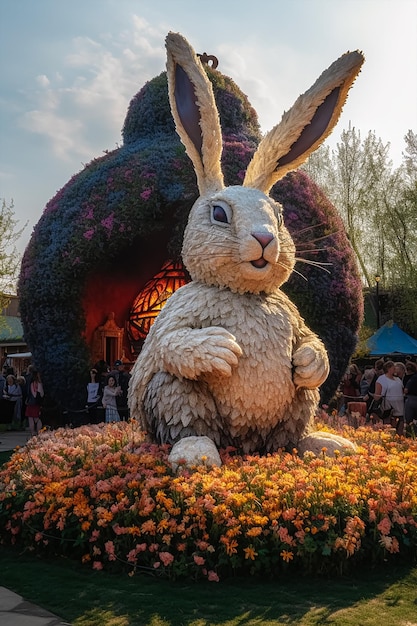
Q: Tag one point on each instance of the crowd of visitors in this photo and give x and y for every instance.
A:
(387, 392)
(22, 397)
(107, 392)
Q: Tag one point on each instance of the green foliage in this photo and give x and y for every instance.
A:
(9, 258)
(401, 306)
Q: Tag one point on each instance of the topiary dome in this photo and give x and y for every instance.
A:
(115, 223)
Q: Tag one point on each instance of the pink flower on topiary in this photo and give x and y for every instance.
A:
(146, 194)
(108, 222)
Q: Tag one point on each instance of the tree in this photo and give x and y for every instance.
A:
(355, 178)
(9, 257)
(378, 205)
(401, 216)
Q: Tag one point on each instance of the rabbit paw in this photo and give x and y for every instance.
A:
(219, 350)
(193, 451)
(193, 352)
(316, 442)
(311, 366)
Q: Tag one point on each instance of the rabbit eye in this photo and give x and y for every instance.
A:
(220, 213)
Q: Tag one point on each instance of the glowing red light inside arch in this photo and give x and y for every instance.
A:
(151, 299)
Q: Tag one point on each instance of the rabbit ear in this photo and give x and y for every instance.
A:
(305, 126)
(195, 113)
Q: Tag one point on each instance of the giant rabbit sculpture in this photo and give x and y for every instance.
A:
(229, 358)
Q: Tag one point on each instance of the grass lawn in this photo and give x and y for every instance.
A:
(5, 456)
(384, 596)
(86, 598)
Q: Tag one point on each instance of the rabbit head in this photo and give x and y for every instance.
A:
(235, 236)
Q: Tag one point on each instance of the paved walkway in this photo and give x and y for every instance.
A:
(14, 610)
(10, 439)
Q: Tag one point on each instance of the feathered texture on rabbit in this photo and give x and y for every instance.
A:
(230, 357)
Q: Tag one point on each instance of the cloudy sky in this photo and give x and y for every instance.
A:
(70, 68)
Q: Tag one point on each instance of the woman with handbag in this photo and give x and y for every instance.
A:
(34, 403)
(390, 388)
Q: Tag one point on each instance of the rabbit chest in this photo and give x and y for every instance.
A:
(265, 327)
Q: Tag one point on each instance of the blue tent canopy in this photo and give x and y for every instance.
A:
(390, 339)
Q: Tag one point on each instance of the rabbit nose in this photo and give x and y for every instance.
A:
(263, 238)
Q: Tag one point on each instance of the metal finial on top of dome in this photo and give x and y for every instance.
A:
(209, 58)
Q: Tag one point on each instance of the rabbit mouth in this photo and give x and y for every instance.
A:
(259, 263)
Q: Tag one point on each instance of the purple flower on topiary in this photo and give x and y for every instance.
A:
(107, 223)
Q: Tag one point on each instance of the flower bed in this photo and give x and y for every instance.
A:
(102, 495)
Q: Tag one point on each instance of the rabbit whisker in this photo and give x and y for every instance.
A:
(310, 241)
(311, 250)
(307, 228)
(314, 264)
(293, 270)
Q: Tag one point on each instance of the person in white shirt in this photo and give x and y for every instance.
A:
(390, 388)
(13, 394)
(94, 393)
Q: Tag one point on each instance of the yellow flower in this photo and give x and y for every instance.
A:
(254, 532)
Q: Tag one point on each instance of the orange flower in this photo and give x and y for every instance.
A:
(231, 545)
(250, 553)
(287, 556)
(148, 527)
